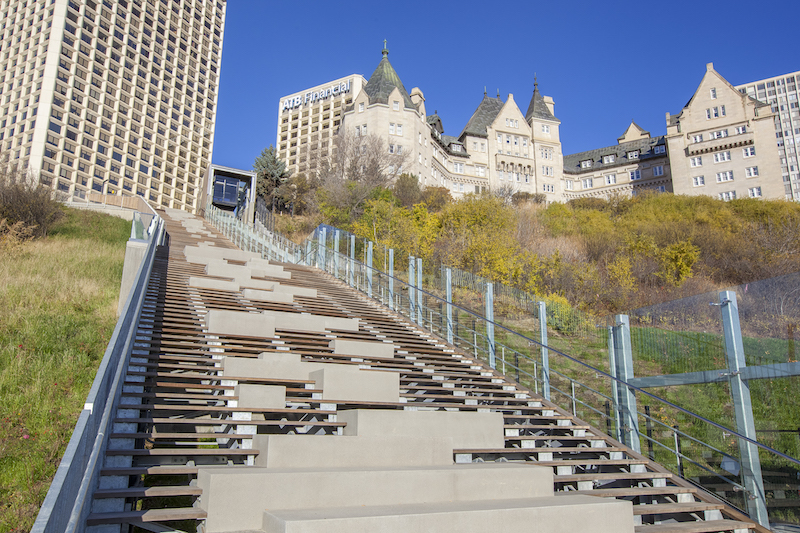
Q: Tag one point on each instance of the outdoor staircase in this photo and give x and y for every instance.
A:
(179, 413)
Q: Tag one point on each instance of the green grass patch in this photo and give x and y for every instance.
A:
(58, 305)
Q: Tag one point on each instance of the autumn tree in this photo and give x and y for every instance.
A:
(356, 166)
(406, 189)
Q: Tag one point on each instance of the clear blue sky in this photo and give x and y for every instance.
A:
(604, 63)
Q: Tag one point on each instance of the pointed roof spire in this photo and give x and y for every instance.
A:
(538, 108)
(484, 90)
(383, 81)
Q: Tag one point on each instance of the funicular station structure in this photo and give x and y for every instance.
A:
(261, 395)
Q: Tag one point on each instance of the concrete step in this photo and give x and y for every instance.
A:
(234, 497)
(551, 514)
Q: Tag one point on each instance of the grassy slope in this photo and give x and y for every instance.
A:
(58, 302)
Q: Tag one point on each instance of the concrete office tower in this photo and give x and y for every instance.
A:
(308, 120)
(111, 96)
(722, 144)
(781, 94)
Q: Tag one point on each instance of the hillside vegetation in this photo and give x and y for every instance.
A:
(600, 255)
(58, 303)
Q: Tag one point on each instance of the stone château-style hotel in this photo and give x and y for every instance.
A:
(722, 143)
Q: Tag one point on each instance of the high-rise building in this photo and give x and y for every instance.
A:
(308, 120)
(111, 96)
(781, 93)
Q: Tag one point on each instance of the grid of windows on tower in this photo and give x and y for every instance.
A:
(132, 106)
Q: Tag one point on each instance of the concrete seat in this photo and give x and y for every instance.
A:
(468, 429)
(234, 498)
(551, 514)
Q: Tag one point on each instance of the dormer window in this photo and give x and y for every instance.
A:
(361, 107)
(633, 155)
(660, 149)
(396, 105)
(586, 163)
(609, 158)
(456, 147)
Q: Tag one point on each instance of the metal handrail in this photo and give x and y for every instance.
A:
(68, 501)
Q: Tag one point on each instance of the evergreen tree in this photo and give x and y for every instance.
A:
(271, 173)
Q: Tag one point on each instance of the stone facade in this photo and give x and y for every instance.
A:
(722, 144)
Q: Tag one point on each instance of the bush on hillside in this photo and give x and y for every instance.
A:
(24, 200)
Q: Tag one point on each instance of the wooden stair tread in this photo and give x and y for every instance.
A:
(565, 478)
(671, 508)
(632, 491)
(171, 436)
(182, 451)
(148, 492)
(706, 526)
(150, 515)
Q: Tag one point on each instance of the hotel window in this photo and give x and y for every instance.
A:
(483, 147)
(751, 172)
(458, 168)
(480, 171)
(658, 170)
(724, 176)
(715, 112)
(364, 130)
(741, 129)
(456, 147)
(728, 195)
(546, 152)
(750, 151)
(399, 129)
(396, 105)
(660, 149)
(499, 142)
(587, 183)
(548, 188)
(361, 107)
(609, 158)
(611, 179)
(391, 128)
(547, 171)
(713, 93)
(568, 185)
(545, 128)
(636, 175)
(391, 148)
(633, 155)
(697, 138)
(754, 192)
(719, 157)
(586, 163)
(698, 181)
(719, 134)
(696, 161)
(475, 145)
(358, 131)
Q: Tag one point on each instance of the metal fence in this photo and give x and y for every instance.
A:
(699, 449)
(68, 501)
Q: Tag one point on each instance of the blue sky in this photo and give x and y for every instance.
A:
(604, 64)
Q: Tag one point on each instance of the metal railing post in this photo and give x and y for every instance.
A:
(369, 269)
(612, 365)
(412, 296)
(490, 324)
(449, 304)
(420, 314)
(336, 254)
(626, 399)
(391, 278)
(322, 242)
(545, 352)
(743, 408)
(352, 260)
